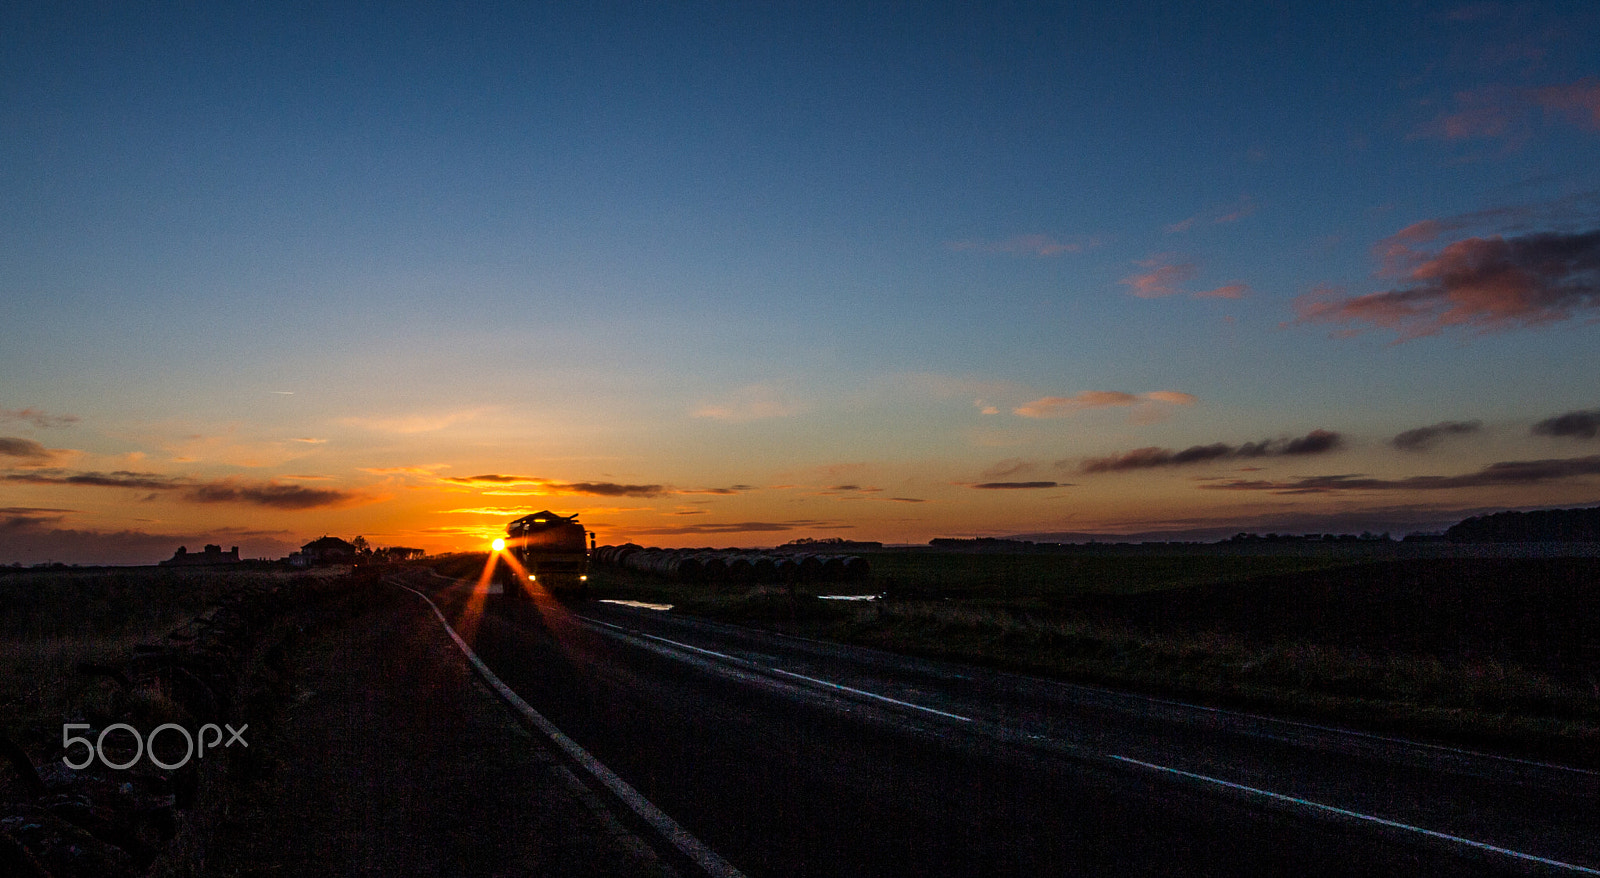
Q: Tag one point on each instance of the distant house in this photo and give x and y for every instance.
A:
(327, 550)
(211, 556)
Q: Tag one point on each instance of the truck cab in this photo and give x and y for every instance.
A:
(553, 550)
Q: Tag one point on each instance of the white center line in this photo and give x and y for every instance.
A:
(692, 847)
(1360, 816)
(1305, 803)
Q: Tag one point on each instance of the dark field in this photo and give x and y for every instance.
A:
(1495, 652)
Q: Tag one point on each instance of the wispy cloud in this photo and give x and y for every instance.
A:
(309, 440)
(25, 450)
(1485, 283)
(1578, 102)
(1007, 486)
(1315, 442)
(268, 494)
(737, 527)
(1426, 438)
(1509, 113)
(1216, 216)
(548, 486)
(1161, 276)
(749, 403)
(423, 471)
(37, 417)
(1230, 291)
(849, 491)
(1026, 245)
(494, 511)
(1063, 406)
(1505, 473)
(1579, 425)
(118, 479)
(1011, 466)
(271, 494)
(1488, 284)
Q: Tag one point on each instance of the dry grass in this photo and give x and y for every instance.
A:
(56, 620)
(1483, 701)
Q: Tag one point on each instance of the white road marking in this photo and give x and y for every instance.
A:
(1306, 803)
(771, 670)
(1345, 812)
(691, 847)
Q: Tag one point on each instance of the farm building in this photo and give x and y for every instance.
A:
(212, 555)
(326, 550)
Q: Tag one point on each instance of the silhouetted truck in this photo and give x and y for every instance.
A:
(553, 551)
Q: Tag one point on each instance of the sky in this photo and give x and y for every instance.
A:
(737, 274)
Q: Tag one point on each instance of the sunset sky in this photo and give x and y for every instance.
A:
(734, 274)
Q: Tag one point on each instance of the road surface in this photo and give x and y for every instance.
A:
(791, 757)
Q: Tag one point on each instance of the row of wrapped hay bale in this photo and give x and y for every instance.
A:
(737, 566)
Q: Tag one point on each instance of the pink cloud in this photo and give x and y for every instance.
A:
(1244, 207)
(1482, 112)
(1161, 277)
(1176, 397)
(1504, 112)
(1025, 245)
(1062, 406)
(1579, 101)
(37, 417)
(1489, 283)
(1231, 291)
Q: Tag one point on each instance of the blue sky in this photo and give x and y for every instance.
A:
(302, 265)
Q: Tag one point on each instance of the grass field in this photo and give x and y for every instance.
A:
(55, 620)
(1492, 652)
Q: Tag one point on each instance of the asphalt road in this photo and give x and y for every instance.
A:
(791, 757)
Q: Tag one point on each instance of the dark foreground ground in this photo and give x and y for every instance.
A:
(374, 751)
(388, 757)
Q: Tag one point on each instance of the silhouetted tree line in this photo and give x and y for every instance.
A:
(1365, 536)
(366, 553)
(811, 544)
(1540, 526)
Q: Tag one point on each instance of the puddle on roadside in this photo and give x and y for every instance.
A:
(848, 597)
(643, 605)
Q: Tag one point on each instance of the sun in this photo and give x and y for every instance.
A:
(499, 545)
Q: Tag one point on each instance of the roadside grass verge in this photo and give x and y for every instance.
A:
(1038, 578)
(1338, 673)
(57, 620)
(1484, 702)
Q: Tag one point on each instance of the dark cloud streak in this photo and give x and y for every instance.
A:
(268, 494)
(1488, 283)
(1315, 442)
(24, 449)
(596, 489)
(1579, 424)
(1504, 473)
(1426, 438)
